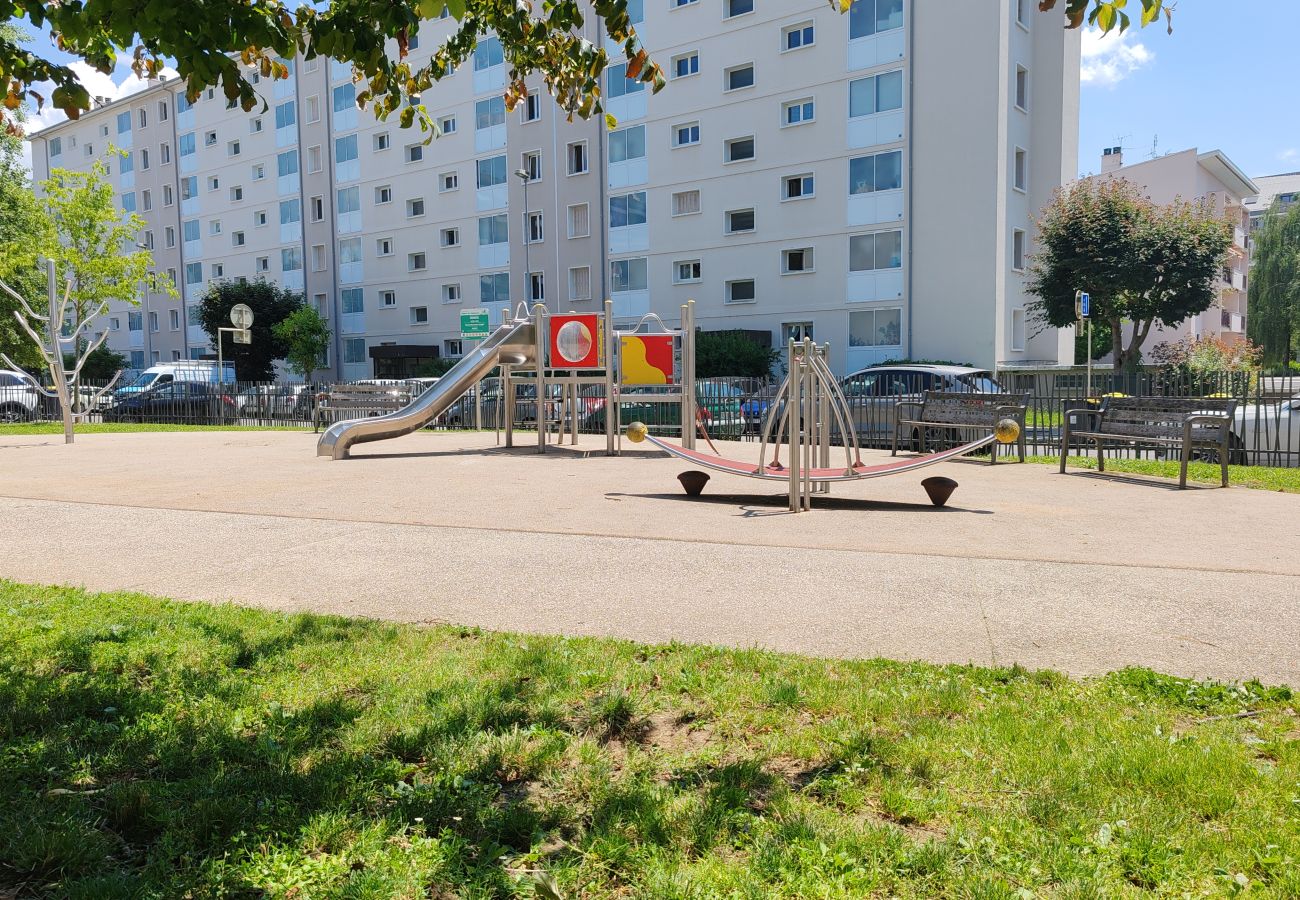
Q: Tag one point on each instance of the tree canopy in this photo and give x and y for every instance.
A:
(306, 338)
(271, 304)
(1141, 263)
(222, 42)
(1273, 302)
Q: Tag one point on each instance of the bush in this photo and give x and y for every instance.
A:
(1204, 355)
(731, 353)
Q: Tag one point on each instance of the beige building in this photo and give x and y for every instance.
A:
(1284, 189)
(868, 179)
(1189, 175)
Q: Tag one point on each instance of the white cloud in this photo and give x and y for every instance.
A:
(1289, 154)
(1110, 58)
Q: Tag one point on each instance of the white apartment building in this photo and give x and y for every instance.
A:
(1189, 175)
(1284, 189)
(868, 179)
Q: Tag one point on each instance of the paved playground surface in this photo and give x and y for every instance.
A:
(1083, 572)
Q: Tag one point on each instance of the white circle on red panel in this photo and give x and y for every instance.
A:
(573, 341)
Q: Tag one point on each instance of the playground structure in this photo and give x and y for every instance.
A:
(809, 413)
(572, 350)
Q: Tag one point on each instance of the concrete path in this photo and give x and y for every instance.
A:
(1082, 572)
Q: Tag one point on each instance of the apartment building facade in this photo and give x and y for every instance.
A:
(869, 180)
(1213, 177)
(1284, 189)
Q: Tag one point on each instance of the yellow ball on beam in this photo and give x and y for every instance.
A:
(636, 432)
(1006, 431)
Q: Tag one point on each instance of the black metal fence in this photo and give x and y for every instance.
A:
(1266, 430)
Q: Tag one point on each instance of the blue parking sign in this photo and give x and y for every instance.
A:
(1083, 305)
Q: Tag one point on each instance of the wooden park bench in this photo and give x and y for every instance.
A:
(960, 411)
(1188, 423)
(358, 401)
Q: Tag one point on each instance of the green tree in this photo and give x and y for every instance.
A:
(1141, 263)
(1273, 298)
(101, 364)
(306, 337)
(727, 353)
(271, 304)
(19, 217)
(222, 42)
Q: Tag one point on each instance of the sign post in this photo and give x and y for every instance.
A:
(475, 324)
(1083, 308)
(241, 316)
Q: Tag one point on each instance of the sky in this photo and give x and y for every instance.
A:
(1227, 79)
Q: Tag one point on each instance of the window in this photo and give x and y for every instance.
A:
(388, 298)
(290, 259)
(741, 291)
(1018, 249)
(686, 134)
(493, 230)
(447, 124)
(318, 209)
(349, 200)
(797, 112)
(796, 187)
(489, 112)
(236, 193)
(686, 203)
(1022, 87)
(174, 319)
(287, 163)
(127, 164)
(218, 270)
(148, 240)
(383, 194)
(345, 148)
(739, 149)
(416, 262)
(193, 273)
(739, 77)
(290, 211)
(627, 209)
(56, 149)
(353, 300)
(627, 143)
(536, 287)
(618, 84)
(210, 139)
(579, 220)
(153, 316)
(259, 172)
(214, 183)
(491, 171)
(532, 110)
(448, 181)
(536, 233)
(868, 17)
(450, 237)
(263, 264)
(236, 238)
(879, 93)
(345, 97)
(877, 172)
(494, 288)
(796, 331)
(628, 275)
(794, 262)
(114, 324)
(382, 141)
(123, 126)
(879, 250)
(168, 197)
(413, 42)
(259, 218)
(795, 37)
(214, 226)
(875, 328)
(162, 110)
(577, 156)
(580, 283)
(314, 159)
(739, 220)
(1019, 175)
(532, 165)
(165, 153)
(144, 158)
(190, 230)
(414, 152)
(451, 293)
(686, 64)
(419, 315)
(732, 8)
(169, 237)
(686, 271)
(414, 207)
(488, 54)
(146, 199)
(452, 348)
(354, 350)
(1018, 329)
(255, 125)
(313, 109)
(134, 321)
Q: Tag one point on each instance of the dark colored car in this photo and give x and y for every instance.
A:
(177, 402)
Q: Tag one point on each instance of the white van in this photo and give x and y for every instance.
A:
(194, 370)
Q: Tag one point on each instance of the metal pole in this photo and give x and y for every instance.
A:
(611, 342)
(793, 383)
(56, 362)
(539, 321)
(1089, 357)
(690, 402)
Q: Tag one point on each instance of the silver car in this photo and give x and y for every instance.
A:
(873, 392)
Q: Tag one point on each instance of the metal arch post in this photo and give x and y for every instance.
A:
(611, 412)
(539, 336)
(809, 427)
(689, 402)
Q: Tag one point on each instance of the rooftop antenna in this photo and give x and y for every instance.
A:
(1155, 145)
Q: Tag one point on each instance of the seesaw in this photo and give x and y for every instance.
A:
(811, 390)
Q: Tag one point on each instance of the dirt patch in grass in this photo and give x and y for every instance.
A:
(675, 732)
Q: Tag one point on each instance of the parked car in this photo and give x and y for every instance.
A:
(872, 393)
(270, 401)
(1267, 434)
(195, 371)
(718, 405)
(180, 402)
(20, 401)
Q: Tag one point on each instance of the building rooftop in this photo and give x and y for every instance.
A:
(1270, 186)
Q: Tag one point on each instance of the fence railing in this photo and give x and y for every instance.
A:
(1266, 430)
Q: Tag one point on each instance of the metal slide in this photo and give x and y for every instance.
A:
(512, 344)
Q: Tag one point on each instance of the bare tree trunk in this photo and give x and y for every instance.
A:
(56, 358)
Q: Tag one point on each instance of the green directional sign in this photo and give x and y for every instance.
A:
(475, 324)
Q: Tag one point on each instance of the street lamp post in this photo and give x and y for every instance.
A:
(522, 174)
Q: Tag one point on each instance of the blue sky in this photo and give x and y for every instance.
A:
(1228, 78)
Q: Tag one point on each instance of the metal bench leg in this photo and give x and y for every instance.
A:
(1182, 467)
(1101, 457)
(1022, 444)
(1223, 462)
(1065, 441)
(894, 449)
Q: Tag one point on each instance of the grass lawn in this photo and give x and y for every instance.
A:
(1264, 478)
(151, 748)
(132, 427)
